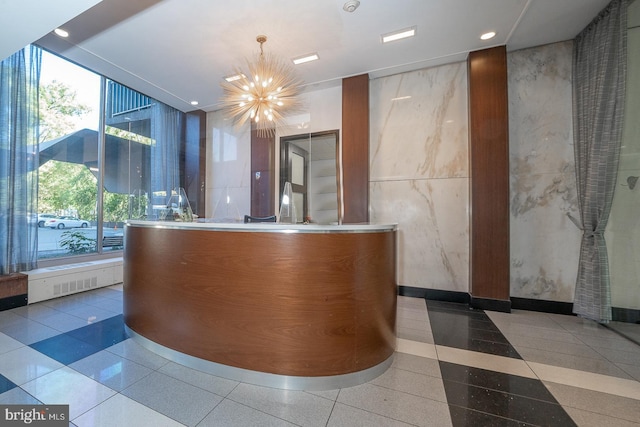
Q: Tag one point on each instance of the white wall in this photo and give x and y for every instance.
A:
(228, 182)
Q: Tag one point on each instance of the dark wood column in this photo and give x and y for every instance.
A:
(355, 148)
(195, 160)
(13, 290)
(489, 165)
(263, 174)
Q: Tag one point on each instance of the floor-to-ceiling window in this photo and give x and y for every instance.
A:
(67, 184)
(623, 231)
(105, 149)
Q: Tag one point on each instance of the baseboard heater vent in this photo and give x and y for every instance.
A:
(58, 281)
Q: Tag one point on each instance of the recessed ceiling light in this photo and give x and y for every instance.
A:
(194, 102)
(235, 77)
(61, 32)
(306, 58)
(488, 36)
(397, 35)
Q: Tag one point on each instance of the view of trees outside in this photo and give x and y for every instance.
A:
(58, 107)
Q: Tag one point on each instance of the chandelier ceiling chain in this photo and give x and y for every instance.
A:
(264, 95)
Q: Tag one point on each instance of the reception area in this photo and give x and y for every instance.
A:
(306, 307)
(401, 250)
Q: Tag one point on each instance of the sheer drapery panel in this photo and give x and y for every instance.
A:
(599, 81)
(19, 81)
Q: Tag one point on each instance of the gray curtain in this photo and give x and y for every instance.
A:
(166, 130)
(599, 79)
(19, 81)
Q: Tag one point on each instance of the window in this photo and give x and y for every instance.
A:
(69, 102)
(91, 180)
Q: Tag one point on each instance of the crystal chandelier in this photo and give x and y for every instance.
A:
(264, 95)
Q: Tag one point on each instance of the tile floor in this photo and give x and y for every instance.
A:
(453, 367)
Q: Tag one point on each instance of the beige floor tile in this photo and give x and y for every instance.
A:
(515, 330)
(347, 416)
(416, 348)
(420, 335)
(584, 418)
(396, 405)
(595, 402)
(405, 322)
(417, 364)
(578, 363)
(627, 388)
(410, 382)
(576, 349)
(526, 318)
(490, 362)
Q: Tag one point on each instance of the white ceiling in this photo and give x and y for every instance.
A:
(179, 50)
(22, 22)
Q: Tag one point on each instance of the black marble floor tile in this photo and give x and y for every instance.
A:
(82, 342)
(455, 325)
(512, 384)
(6, 384)
(506, 405)
(455, 307)
(448, 322)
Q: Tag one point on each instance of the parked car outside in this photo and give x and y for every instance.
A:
(43, 217)
(66, 222)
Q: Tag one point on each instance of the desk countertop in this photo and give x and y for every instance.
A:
(266, 227)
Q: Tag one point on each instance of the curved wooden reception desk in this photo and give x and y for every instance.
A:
(290, 306)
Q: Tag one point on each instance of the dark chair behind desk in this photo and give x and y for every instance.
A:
(249, 218)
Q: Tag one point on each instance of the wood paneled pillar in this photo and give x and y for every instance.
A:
(263, 174)
(13, 290)
(489, 166)
(195, 160)
(355, 149)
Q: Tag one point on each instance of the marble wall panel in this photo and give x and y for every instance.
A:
(419, 173)
(433, 229)
(544, 241)
(419, 124)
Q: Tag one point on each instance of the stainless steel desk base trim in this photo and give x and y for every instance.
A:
(285, 382)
